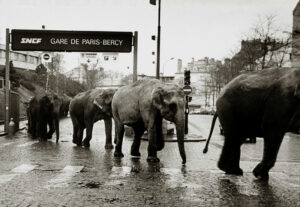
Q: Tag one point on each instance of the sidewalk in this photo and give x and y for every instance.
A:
(22, 125)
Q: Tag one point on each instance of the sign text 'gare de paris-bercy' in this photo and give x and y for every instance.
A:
(71, 41)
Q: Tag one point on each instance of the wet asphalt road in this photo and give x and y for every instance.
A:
(34, 173)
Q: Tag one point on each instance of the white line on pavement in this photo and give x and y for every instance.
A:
(27, 144)
(66, 174)
(22, 169)
(6, 144)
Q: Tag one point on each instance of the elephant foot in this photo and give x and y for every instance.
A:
(135, 153)
(230, 170)
(109, 146)
(260, 173)
(118, 154)
(237, 171)
(152, 159)
(87, 145)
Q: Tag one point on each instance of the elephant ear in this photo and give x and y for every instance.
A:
(104, 98)
(157, 97)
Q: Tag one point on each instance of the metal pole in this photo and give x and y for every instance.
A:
(7, 88)
(135, 53)
(186, 128)
(158, 44)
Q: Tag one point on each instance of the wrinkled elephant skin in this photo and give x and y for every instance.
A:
(43, 111)
(258, 104)
(142, 105)
(88, 107)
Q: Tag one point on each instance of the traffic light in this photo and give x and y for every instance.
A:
(187, 77)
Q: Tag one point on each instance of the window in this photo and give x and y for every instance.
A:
(21, 57)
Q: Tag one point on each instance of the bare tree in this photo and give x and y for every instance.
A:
(269, 42)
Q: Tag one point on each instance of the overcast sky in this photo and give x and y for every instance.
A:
(190, 28)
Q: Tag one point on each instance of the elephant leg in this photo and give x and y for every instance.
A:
(79, 136)
(33, 129)
(108, 130)
(75, 133)
(230, 156)
(119, 137)
(152, 146)
(56, 124)
(89, 131)
(43, 130)
(51, 128)
(271, 148)
(139, 130)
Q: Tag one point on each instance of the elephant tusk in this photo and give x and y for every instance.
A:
(96, 103)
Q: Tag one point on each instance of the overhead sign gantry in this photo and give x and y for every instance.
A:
(71, 41)
(67, 41)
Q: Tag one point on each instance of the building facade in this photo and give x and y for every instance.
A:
(21, 60)
(201, 79)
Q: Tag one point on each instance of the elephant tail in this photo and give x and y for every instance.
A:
(210, 133)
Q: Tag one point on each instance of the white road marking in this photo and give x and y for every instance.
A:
(28, 144)
(6, 144)
(66, 174)
(22, 169)
(283, 178)
(6, 178)
(120, 171)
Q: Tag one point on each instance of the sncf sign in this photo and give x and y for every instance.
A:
(71, 41)
(31, 40)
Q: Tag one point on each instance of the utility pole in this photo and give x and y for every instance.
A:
(158, 44)
(7, 86)
(153, 2)
(135, 52)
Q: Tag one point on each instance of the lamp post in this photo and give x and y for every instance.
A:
(163, 72)
(153, 2)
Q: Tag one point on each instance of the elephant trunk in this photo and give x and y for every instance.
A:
(180, 138)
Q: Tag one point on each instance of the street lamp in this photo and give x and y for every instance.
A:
(153, 2)
(172, 58)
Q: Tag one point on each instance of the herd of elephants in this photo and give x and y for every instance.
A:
(263, 104)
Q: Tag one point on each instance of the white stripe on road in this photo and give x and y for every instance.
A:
(120, 171)
(6, 144)
(61, 180)
(22, 169)
(28, 144)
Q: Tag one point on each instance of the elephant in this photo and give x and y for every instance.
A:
(263, 104)
(88, 107)
(142, 105)
(43, 112)
(65, 106)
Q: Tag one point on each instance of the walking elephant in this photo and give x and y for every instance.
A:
(88, 107)
(65, 105)
(142, 105)
(43, 111)
(258, 104)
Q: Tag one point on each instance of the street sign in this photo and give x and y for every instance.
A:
(187, 89)
(46, 57)
(71, 41)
